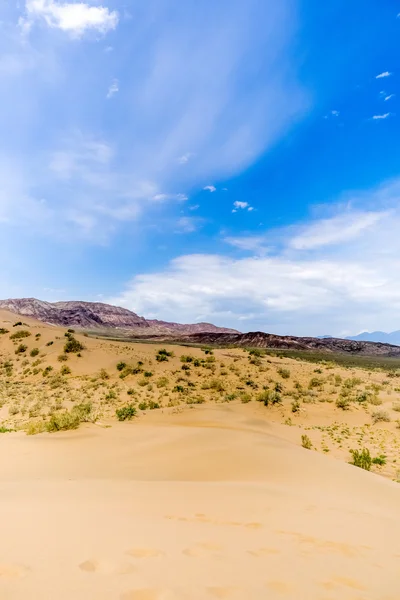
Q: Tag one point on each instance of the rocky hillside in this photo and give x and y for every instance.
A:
(96, 315)
(259, 339)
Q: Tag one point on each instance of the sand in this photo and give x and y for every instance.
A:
(203, 504)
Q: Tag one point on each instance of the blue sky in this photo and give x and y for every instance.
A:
(234, 161)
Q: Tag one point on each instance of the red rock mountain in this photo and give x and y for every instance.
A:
(94, 315)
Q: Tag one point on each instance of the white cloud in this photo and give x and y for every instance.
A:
(241, 206)
(341, 228)
(182, 160)
(389, 97)
(210, 188)
(75, 18)
(187, 224)
(332, 113)
(113, 89)
(165, 197)
(378, 117)
(334, 275)
(382, 75)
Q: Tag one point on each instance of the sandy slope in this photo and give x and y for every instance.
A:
(203, 504)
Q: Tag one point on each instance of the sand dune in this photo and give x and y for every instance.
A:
(184, 506)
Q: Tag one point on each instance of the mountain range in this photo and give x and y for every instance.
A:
(96, 315)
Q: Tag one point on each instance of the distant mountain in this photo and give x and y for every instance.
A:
(378, 336)
(96, 315)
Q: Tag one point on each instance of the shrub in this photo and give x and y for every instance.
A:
(269, 397)
(148, 374)
(207, 351)
(73, 345)
(306, 442)
(379, 460)
(47, 370)
(186, 358)
(361, 458)
(380, 416)
(343, 403)
(70, 330)
(396, 406)
(35, 427)
(278, 387)
(50, 343)
(19, 335)
(3, 331)
(65, 370)
(34, 352)
(163, 354)
(103, 374)
(63, 421)
(21, 349)
(62, 357)
(17, 324)
(295, 406)
(131, 392)
(315, 382)
(142, 406)
(153, 405)
(284, 373)
(121, 366)
(126, 412)
(162, 382)
(217, 385)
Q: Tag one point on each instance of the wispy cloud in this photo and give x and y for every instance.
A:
(382, 75)
(187, 224)
(332, 114)
(71, 17)
(210, 188)
(378, 117)
(389, 97)
(182, 160)
(113, 89)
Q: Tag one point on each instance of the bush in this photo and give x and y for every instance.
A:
(34, 352)
(49, 343)
(153, 405)
(126, 412)
(269, 397)
(47, 370)
(148, 374)
(3, 331)
(19, 335)
(142, 406)
(380, 416)
(186, 358)
(295, 406)
(103, 375)
(163, 354)
(18, 323)
(361, 459)
(70, 330)
(343, 403)
(217, 385)
(62, 357)
(306, 442)
(63, 421)
(162, 382)
(396, 406)
(73, 345)
(65, 370)
(21, 349)
(379, 460)
(284, 373)
(121, 366)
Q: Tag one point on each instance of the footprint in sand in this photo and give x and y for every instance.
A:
(144, 552)
(203, 549)
(148, 594)
(222, 592)
(104, 567)
(263, 552)
(10, 571)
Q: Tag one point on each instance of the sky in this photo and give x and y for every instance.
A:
(236, 162)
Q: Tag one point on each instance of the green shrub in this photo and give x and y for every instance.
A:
(269, 397)
(153, 405)
(47, 370)
(162, 382)
(65, 370)
(148, 374)
(143, 405)
(121, 366)
(73, 345)
(343, 403)
(103, 375)
(163, 354)
(379, 460)
(295, 406)
(217, 385)
(284, 373)
(34, 352)
(396, 406)
(186, 358)
(62, 357)
(71, 331)
(18, 323)
(3, 331)
(19, 335)
(50, 343)
(361, 458)
(63, 421)
(306, 442)
(21, 349)
(126, 412)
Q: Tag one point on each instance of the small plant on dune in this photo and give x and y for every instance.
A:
(73, 345)
(103, 375)
(343, 403)
(143, 405)
(34, 352)
(306, 442)
(131, 392)
(19, 335)
(50, 343)
(70, 330)
(62, 357)
(148, 374)
(162, 382)
(207, 351)
(21, 349)
(396, 406)
(186, 358)
(379, 460)
(17, 324)
(268, 397)
(153, 405)
(126, 413)
(47, 370)
(63, 421)
(121, 366)
(380, 416)
(284, 373)
(163, 355)
(295, 406)
(217, 385)
(65, 370)
(361, 458)
(3, 331)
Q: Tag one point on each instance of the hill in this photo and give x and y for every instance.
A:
(378, 336)
(97, 315)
